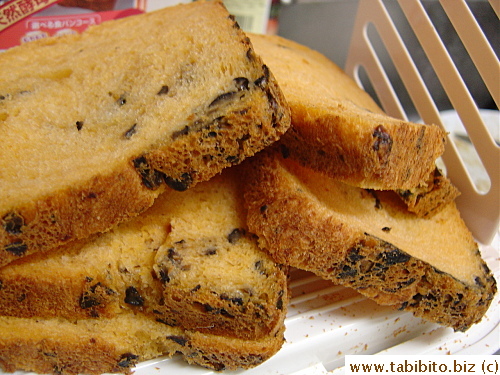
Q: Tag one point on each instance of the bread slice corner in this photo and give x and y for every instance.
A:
(369, 241)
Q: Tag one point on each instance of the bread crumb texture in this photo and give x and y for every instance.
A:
(95, 126)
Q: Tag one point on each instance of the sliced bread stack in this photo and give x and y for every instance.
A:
(327, 199)
(119, 242)
(185, 276)
(125, 236)
(339, 130)
(95, 126)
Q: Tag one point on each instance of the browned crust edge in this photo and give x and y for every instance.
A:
(98, 205)
(74, 213)
(84, 297)
(47, 356)
(382, 156)
(296, 233)
(95, 356)
(431, 198)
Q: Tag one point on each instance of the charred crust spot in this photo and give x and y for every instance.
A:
(195, 289)
(477, 280)
(86, 302)
(235, 235)
(241, 83)
(392, 257)
(233, 159)
(279, 303)
(347, 272)
(18, 248)
(180, 184)
(263, 80)
(151, 178)
(79, 125)
(250, 54)
(210, 251)
(222, 97)
(235, 300)
(163, 91)
(180, 133)
(95, 295)
(285, 151)
(386, 229)
(13, 223)
(263, 208)
(208, 308)
(133, 297)
(260, 268)
(354, 255)
(383, 141)
(181, 340)
(235, 23)
(163, 276)
(130, 132)
(127, 360)
(121, 100)
(217, 366)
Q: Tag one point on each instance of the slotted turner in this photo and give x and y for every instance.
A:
(479, 209)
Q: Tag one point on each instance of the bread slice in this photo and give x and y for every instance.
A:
(430, 197)
(338, 129)
(188, 261)
(110, 345)
(367, 240)
(93, 126)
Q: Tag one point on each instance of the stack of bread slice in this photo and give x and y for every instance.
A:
(119, 242)
(334, 197)
(125, 236)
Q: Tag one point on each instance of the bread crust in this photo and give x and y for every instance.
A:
(167, 264)
(221, 132)
(78, 349)
(300, 230)
(339, 130)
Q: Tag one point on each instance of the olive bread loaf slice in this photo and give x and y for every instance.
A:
(188, 261)
(368, 240)
(94, 126)
(116, 345)
(338, 129)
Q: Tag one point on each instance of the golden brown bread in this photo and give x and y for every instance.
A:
(96, 125)
(430, 197)
(186, 275)
(111, 345)
(338, 129)
(188, 261)
(368, 240)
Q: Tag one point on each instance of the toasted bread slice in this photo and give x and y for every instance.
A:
(93, 126)
(368, 240)
(430, 197)
(110, 345)
(338, 129)
(188, 261)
